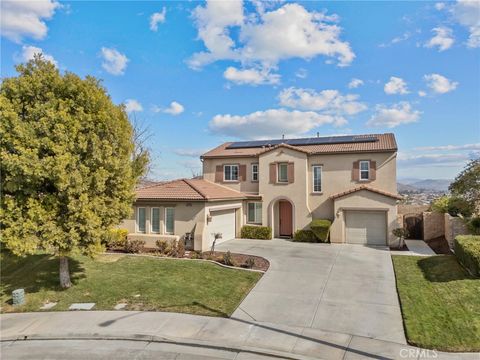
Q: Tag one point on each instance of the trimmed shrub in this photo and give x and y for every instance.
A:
(163, 246)
(250, 262)
(305, 236)
(180, 248)
(455, 206)
(135, 246)
(256, 232)
(228, 259)
(474, 225)
(116, 238)
(467, 251)
(321, 228)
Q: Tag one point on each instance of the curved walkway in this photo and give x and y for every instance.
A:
(339, 288)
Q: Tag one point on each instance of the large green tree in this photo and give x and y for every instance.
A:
(467, 184)
(69, 164)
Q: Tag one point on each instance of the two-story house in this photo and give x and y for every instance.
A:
(284, 184)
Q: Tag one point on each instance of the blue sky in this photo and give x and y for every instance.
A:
(198, 74)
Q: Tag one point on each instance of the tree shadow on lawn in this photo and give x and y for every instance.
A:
(443, 268)
(35, 273)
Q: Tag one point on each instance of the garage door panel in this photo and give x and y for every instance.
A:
(366, 227)
(223, 221)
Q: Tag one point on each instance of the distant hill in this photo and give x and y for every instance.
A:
(427, 185)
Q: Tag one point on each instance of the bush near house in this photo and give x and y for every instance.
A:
(135, 246)
(256, 232)
(305, 236)
(467, 251)
(474, 225)
(453, 205)
(321, 228)
(116, 238)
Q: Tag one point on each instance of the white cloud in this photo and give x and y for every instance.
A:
(251, 76)
(266, 37)
(301, 73)
(397, 114)
(271, 123)
(330, 102)
(29, 51)
(433, 160)
(190, 152)
(439, 6)
(21, 19)
(440, 84)
(175, 108)
(422, 93)
(355, 83)
(443, 38)
(133, 105)
(450, 147)
(405, 36)
(114, 62)
(156, 18)
(467, 13)
(396, 85)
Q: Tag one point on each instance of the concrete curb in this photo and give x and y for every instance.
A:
(157, 339)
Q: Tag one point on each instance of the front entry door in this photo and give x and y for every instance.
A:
(285, 218)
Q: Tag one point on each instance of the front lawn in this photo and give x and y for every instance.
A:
(440, 302)
(143, 283)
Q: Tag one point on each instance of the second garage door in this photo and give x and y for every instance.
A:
(223, 221)
(366, 227)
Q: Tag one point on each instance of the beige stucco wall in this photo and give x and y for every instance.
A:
(248, 186)
(433, 225)
(454, 226)
(363, 200)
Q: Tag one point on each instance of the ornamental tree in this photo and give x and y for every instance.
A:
(68, 162)
(467, 184)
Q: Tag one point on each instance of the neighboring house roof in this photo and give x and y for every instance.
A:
(146, 183)
(368, 188)
(188, 189)
(385, 142)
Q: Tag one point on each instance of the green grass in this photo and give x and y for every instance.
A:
(440, 303)
(162, 285)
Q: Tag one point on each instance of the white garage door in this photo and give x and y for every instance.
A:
(366, 227)
(223, 221)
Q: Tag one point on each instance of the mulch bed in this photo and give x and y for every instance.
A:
(239, 260)
(439, 245)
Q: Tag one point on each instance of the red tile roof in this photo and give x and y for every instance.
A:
(386, 142)
(368, 188)
(188, 189)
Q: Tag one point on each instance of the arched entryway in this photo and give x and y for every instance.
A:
(282, 217)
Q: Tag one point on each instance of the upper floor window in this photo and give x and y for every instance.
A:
(317, 178)
(282, 172)
(230, 172)
(254, 214)
(364, 170)
(169, 220)
(141, 220)
(155, 220)
(254, 172)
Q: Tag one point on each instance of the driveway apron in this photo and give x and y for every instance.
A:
(334, 287)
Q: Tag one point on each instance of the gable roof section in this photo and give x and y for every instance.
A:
(368, 188)
(386, 142)
(188, 189)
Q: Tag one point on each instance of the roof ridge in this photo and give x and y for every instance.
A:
(187, 181)
(365, 187)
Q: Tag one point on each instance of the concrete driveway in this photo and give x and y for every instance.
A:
(340, 288)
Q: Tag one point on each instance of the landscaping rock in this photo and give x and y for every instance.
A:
(48, 305)
(81, 306)
(120, 306)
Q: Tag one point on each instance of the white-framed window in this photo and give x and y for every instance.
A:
(317, 178)
(155, 220)
(282, 172)
(254, 213)
(141, 220)
(230, 172)
(364, 168)
(169, 220)
(254, 172)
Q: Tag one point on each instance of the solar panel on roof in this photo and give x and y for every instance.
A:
(345, 139)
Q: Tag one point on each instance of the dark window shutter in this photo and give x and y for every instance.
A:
(273, 173)
(219, 173)
(355, 174)
(373, 170)
(242, 169)
(291, 172)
